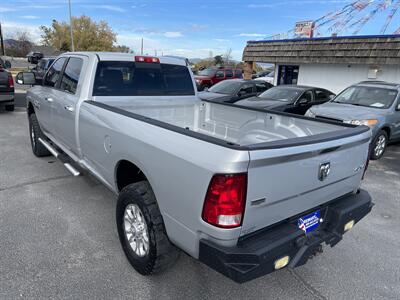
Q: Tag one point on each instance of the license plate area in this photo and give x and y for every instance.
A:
(309, 222)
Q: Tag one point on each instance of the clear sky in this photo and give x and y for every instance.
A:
(189, 28)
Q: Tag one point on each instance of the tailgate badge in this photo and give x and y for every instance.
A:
(324, 170)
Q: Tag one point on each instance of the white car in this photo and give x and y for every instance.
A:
(269, 78)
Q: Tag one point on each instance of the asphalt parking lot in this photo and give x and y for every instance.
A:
(58, 239)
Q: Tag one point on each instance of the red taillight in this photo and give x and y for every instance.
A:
(147, 59)
(225, 200)
(10, 81)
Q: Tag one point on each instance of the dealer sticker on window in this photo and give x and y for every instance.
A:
(309, 222)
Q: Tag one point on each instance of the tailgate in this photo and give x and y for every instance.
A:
(284, 182)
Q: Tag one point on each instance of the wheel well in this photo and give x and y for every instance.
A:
(387, 130)
(128, 173)
(31, 110)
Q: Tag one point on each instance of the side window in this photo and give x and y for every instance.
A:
(54, 72)
(308, 95)
(48, 64)
(246, 89)
(219, 74)
(70, 78)
(262, 86)
(321, 95)
(177, 80)
(229, 73)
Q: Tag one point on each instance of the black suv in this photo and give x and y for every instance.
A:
(42, 67)
(6, 90)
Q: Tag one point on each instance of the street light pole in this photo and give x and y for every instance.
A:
(70, 27)
(3, 52)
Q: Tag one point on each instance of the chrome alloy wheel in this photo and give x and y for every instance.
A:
(136, 232)
(380, 146)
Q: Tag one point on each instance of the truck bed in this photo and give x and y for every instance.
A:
(242, 128)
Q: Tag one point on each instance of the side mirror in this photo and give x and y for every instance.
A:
(398, 107)
(26, 78)
(7, 64)
(206, 89)
(303, 101)
(331, 97)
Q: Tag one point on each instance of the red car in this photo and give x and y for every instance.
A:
(208, 77)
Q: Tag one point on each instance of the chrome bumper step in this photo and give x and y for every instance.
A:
(61, 157)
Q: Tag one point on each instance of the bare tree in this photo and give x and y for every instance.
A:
(24, 42)
(21, 44)
(228, 56)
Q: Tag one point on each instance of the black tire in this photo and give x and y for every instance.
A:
(9, 107)
(379, 144)
(161, 253)
(35, 133)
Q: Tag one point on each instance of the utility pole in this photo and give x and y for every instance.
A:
(3, 52)
(70, 27)
(141, 51)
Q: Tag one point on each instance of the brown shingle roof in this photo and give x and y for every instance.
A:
(348, 50)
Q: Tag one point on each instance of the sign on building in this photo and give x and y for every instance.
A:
(304, 29)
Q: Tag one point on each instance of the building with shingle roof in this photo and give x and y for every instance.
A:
(330, 62)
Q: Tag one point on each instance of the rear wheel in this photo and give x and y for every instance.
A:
(9, 107)
(141, 230)
(35, 133)
(379, 145)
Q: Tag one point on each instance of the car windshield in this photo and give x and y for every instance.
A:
(206, 72)
(367, 96)
(284, 94)
(227, 87)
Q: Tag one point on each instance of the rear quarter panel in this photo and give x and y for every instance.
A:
(178, 167)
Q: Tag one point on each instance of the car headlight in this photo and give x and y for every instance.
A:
(310, 114)
(369, 123)
(198, 80)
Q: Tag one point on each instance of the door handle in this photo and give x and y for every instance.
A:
(69, 108)
(48, 99)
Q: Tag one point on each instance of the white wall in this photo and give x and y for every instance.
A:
(337, 77)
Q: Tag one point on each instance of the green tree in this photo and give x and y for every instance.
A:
(88, 35)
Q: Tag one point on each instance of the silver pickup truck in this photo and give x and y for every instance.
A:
(244, 191)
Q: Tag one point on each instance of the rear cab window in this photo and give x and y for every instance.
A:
(124, 78)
